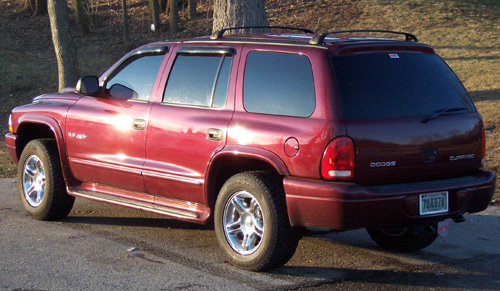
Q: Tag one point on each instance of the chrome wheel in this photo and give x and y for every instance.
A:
(243, 223)
(33, 179)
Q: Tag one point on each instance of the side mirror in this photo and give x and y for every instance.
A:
(87, 85)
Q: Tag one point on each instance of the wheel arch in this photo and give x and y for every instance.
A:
(233, 159)
(35, 126)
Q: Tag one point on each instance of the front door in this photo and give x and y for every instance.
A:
(106, 135)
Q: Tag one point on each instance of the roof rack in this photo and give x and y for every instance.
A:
(319, 38)
(218, 34)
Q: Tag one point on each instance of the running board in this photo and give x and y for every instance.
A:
(162, 210)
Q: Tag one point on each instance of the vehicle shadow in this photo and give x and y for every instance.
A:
(390, 279)
(136, 222)
(486, 95)
(96, 213)
(467, 259)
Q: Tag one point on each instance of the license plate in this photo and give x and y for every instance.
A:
(432, 203)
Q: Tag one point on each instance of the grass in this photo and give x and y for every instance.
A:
(466, 33)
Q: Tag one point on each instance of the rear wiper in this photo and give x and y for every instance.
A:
(440, 112)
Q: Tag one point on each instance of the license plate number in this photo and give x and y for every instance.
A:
(432, 203)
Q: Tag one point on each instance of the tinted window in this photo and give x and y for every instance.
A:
(200, 80)
(135, 78)
(377, 85)
(279, 83)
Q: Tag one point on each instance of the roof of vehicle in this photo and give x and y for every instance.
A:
(334, 40)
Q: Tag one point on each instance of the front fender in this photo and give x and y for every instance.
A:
(50, 122)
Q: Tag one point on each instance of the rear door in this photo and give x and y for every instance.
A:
(409, 116)
(189, 124)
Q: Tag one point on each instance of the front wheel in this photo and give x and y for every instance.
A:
(406, 238)
(251, 222)
(41, 184)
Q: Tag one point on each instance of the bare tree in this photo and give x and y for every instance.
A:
(67, 62)
(154, 7)
(192, 9)
(81, 16)
(35, 7)
(126, 38)
(238, 13)
(174, 16)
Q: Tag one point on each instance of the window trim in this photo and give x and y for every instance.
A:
(147, 50)
(203, 51)
(140, 53)
(280, 52)
(207, 50)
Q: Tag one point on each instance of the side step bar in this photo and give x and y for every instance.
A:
(163, 210)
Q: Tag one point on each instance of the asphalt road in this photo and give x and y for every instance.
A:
(105, 247)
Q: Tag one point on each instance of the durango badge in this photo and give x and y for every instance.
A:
(462, 157)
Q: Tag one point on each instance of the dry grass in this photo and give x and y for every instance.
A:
(466, 33)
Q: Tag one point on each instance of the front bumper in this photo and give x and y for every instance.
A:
(10, 142)
(313, 203)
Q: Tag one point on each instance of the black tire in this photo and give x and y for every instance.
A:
(41, 184)
(405, 239)
(273, 240)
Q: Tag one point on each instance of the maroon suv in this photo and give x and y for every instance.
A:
(262, 134)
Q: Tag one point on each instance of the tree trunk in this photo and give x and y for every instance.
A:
(192, 9)
(163, 6)
(174, 16)
(238, 13)
(126, 38)
(29, 6)
(40, 7)
(67, 62)
(81, 17)
(155, 13)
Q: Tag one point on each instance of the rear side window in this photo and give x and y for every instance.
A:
(199, 80)
(278, 83)
(379, 85)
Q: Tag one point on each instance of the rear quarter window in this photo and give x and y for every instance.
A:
(399, 84)
(278, 83)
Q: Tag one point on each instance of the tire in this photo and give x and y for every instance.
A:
(251, 222)
(405, 239)
(41, 184)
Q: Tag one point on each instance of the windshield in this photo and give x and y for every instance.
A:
(402, 84)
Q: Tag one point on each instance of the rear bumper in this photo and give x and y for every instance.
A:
(10, 142)
(313, 203)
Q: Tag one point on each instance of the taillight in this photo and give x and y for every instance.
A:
(338, 160)
(483, 149)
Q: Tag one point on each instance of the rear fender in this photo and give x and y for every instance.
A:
(232, 159)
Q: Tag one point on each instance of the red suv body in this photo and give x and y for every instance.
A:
(261, 134)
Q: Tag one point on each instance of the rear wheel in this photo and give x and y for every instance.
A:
(406, 238)
(251, 222)
(41, 185)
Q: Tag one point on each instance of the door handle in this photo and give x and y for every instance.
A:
(138, 124)
(214, 134)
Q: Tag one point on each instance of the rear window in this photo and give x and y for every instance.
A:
(379, 85)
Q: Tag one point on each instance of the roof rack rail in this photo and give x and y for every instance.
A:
(319, 38)
(218, 34)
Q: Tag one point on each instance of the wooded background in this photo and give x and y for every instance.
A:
(227, 13)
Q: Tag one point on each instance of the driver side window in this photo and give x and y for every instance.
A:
(134, 78)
